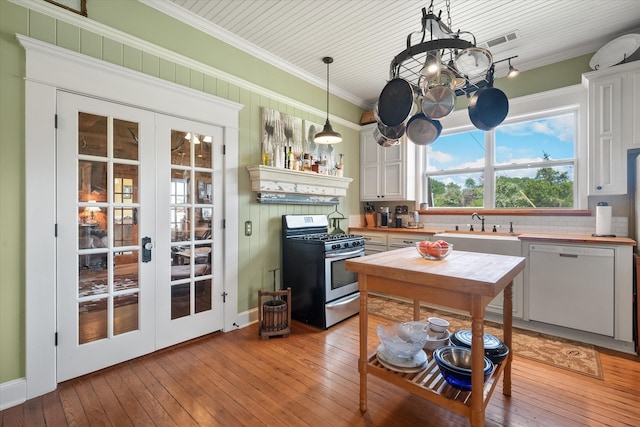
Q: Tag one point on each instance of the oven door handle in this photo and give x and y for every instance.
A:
(344, 302)
(345, 254)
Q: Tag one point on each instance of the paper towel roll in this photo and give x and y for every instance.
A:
(603, 221)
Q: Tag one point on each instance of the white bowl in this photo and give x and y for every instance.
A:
(438, 340)
(436, 324)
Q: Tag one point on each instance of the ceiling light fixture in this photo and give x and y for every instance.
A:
(513, 72)
(328, 135)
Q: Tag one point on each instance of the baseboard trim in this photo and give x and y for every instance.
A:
(248, 317)
(13, 393)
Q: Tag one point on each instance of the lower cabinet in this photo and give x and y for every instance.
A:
(374, 242)
(402, 240)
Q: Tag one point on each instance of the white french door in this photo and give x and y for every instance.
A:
(139, 232)
(189, 219)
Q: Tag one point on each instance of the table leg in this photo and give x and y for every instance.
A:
(364, 328)
(507, 327)
(416, 309)
(477, 362)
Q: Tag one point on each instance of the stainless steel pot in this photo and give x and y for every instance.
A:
(383, 140)
(421, 130)
(438, 102)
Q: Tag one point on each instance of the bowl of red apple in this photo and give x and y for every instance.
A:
(434, 250)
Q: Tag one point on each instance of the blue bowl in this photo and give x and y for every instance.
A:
(455, 364)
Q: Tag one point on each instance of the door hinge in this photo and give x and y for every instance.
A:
(224, 224)
(55, 339)
(55, 121)
(224, 297)
(55, 230)
(224, 150)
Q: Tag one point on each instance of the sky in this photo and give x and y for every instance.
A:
(518, 143)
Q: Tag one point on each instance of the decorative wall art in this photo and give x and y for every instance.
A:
(77, 6)
(281, 135)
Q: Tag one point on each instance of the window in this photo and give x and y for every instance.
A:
(525, 163)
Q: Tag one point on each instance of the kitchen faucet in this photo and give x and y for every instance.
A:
(481, 218)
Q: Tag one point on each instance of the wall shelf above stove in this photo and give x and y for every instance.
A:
(284, 186)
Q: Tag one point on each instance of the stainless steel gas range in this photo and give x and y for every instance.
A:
(323, 292)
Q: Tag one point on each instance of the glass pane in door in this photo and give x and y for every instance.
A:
(108, 261)
(191, 240)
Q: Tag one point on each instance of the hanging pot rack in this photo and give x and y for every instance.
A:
(410, 63)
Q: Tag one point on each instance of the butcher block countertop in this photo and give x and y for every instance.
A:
(575, 238)
(535, 237)
(466, 272)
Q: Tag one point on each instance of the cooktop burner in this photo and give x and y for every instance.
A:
(313, 231)
(326, 237)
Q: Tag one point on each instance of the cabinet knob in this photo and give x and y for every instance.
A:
(599, 187)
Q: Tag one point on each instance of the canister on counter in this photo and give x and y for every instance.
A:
(384, 217)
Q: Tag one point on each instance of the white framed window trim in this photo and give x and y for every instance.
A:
(531, 107)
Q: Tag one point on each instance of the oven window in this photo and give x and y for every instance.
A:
(340, 276)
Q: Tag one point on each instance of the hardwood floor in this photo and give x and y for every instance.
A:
(310, 378)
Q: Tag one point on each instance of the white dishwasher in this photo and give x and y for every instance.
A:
(572, 286)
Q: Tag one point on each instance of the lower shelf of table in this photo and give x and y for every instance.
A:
(431, 385)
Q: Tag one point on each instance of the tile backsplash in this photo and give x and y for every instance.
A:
(521, 224)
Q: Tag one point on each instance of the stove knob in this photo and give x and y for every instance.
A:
(335, 247)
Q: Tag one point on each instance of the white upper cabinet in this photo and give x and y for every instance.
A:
(614, 103)
(386, 173)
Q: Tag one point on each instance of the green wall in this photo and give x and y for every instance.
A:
(259, 254)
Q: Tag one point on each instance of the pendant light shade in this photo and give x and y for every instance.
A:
(328, 135)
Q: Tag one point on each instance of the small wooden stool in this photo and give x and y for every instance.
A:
(274, 316)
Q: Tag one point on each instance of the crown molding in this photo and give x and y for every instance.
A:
(208, 27)
(88, 24)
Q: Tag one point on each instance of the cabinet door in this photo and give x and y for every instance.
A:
(369, 166)
(634, 109)
(386, 173)
(393, 172)
(608, 166)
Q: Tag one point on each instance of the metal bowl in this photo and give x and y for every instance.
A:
(455, 364)
(402, 339)
(494, 348)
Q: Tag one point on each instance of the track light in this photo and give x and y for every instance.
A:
(512, 71)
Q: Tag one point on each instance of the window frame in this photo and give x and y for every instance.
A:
(525, 108)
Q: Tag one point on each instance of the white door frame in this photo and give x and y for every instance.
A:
(48, 69)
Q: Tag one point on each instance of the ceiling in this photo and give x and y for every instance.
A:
(363, 36)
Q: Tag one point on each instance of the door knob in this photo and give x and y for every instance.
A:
(146, 249)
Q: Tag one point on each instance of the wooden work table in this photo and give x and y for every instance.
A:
(465, 281)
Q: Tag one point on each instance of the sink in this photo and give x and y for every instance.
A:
(491, 243)
(476, 235)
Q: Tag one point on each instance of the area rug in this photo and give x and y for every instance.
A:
(562, 353)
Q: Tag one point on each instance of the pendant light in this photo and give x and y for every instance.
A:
(328, 135)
